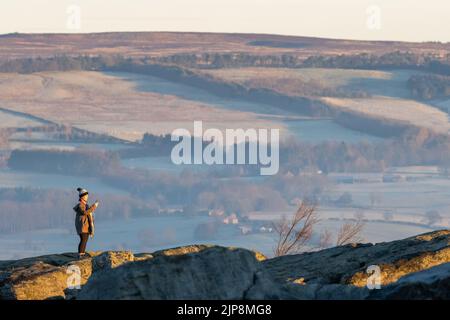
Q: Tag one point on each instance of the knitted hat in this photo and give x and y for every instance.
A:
(82, 192)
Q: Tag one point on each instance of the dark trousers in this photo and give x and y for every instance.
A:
(84, 237)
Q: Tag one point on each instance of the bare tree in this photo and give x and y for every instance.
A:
(350, 232)
(294, 233)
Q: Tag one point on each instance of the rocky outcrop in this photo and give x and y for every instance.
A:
(48, 277)
(348, 264)
(413, 268)
(201, 274)
(431, 283)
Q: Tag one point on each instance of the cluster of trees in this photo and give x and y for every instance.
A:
(26, 209)
(62, 63)
(305, 184)
(153, 145)
(395, 59)
(207, 190)
(242, 197)
(79, 162)
(417, 147)
(23, 209)
(211, 60)
(429, 86)
(66, 132)
(390, 60)
(197, 190)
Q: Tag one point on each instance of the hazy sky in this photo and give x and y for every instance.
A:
(409, 20)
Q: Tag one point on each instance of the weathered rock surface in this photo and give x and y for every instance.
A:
(213, 272)
(413, 268)
(432, 283)
(47, 277)
(348, 264)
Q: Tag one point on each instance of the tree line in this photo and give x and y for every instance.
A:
(390, 60)
(429, 86)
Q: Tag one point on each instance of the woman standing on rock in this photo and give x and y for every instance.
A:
(84, 220)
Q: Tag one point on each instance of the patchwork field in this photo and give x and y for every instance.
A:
(106, 104)
(386, 92)
(126, 106)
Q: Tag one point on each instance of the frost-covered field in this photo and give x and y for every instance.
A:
(389, 95)
(114, 105)
(128, 105)
(61, 145)
(413, 197)
(8, 120)
(312, 130)
(316, 131)
(387, 83)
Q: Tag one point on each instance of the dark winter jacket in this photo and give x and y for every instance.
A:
(84, 220)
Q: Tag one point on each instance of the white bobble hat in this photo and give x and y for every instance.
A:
(82, 192)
